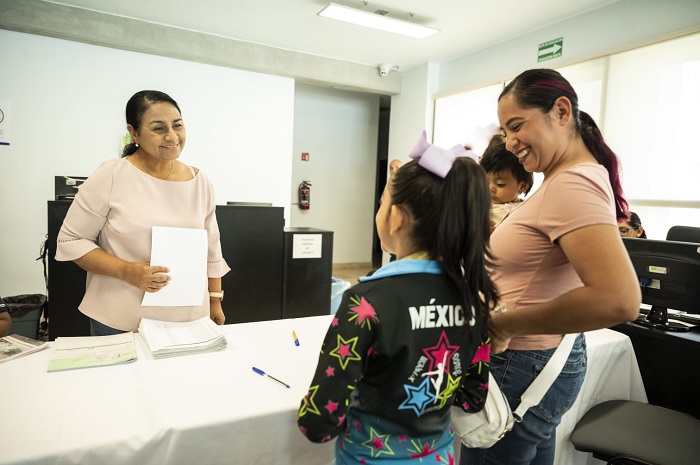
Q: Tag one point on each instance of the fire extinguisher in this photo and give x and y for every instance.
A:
(305, 195)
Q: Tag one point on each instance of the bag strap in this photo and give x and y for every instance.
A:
(539, 387)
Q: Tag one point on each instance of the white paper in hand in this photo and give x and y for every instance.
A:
(184, 251)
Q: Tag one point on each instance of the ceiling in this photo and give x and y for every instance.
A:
(465, 25)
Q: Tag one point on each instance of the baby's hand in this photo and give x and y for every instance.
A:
(492, 226)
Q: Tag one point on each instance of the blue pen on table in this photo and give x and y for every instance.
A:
(262, 373)
(296, 339)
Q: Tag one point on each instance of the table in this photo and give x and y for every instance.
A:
(212, 408)
(207, 409)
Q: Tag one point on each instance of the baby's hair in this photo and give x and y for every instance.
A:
(451, 223)
(497, 159)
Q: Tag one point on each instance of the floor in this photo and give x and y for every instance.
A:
(351, 273)
(346, 273)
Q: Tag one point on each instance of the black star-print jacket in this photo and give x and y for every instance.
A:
(400, 349)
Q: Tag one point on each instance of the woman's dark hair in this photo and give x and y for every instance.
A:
(540, 88)
(497, 159)
(635, 223)
(451, 223)
(137, 106)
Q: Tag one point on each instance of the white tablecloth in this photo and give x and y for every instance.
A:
(212, 408)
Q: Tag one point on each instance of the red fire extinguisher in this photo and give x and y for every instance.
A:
(305, 195)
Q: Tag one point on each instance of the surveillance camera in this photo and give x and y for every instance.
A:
(384, 69)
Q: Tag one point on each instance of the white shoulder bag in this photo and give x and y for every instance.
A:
(485, 428)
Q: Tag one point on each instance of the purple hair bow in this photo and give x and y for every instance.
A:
(437, 160)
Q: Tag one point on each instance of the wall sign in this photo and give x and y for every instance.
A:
(551, 49)
(307, 246)
(4, 122)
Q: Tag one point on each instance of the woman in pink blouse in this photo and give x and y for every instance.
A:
(107, 230)
(560, 265)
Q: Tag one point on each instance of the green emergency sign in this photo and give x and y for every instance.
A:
(551, 49)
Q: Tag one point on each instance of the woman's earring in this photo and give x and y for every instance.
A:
(136, 144)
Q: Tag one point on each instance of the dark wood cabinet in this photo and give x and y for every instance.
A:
(251, 241)
(66, 282)
(266, 282)
(252, 245)
(308, 265)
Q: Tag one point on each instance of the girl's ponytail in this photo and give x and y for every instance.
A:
(451, 221)
(463, 234)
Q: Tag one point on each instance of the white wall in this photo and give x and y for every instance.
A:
(339, 131)
(67, 115)
(622, 25)
(412, 110)
(411, 113)
(619, 26)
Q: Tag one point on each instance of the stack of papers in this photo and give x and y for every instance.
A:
(92, 351)
(168, 339)
(17, 345)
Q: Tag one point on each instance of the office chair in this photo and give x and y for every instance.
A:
(628, 432)
(683, 234)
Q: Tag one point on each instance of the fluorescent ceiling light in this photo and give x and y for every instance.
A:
(376, 21)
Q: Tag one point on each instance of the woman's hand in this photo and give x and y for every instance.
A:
(142, 275)
(216, 313)
(146, 277)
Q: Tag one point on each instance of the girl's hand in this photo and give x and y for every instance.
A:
(500, 339)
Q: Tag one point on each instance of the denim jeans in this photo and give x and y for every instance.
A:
(99, 329)
(531, 442)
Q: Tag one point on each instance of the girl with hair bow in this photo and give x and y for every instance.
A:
(407, 342)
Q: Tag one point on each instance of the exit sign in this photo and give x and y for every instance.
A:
(548, 50)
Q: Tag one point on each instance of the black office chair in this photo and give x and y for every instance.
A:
(628, 432)
(683, 234)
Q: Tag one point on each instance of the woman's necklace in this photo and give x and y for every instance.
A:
(172, 163)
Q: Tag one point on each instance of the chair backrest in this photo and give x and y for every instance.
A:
(683, 234)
